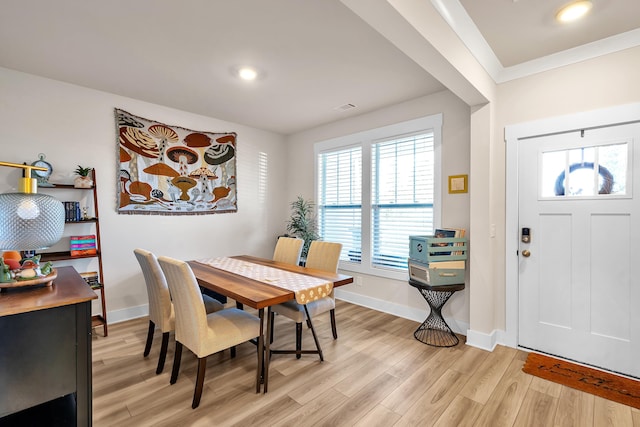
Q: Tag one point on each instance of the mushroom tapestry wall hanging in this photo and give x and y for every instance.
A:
(170, 170)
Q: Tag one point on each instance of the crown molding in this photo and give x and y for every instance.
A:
(456, 16)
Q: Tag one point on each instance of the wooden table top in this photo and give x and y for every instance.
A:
(67, 288)
(251, 292)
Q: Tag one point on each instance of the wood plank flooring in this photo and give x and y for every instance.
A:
(375, 374)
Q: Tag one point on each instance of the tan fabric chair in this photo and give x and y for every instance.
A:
(322, 256)
(288, 250)
(203, 333)
(161, 313)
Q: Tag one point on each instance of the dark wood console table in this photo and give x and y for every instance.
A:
(45, 356)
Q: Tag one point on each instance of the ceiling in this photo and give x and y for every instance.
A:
(519, 31)
(315, 56)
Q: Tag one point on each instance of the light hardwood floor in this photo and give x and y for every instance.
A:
(375, 374)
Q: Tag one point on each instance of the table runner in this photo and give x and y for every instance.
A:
(306, 288)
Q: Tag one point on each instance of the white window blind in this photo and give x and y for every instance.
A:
(340, 200)
(375, 189)
(402, 176)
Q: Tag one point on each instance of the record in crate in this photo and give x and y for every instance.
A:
(170, 170)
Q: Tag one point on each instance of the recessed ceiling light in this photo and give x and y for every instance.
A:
(573, 11)
(247, 73)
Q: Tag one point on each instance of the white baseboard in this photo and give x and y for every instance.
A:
(418, 315)
(130, 313)
(486, 341)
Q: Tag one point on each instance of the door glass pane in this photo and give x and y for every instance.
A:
(614, 158)
(585, 172)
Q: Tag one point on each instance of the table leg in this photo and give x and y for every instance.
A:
(435, 331)
(313, 331)
(260, 350)
(267, 350)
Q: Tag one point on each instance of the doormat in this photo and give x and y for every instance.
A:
(609, 386)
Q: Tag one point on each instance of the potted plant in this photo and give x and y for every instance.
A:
(83, 180)
(302, 223)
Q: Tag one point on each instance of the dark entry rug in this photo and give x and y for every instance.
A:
(603, 384)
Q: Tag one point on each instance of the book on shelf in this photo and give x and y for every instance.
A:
(72, 211)
(83, 245)
(91, 277)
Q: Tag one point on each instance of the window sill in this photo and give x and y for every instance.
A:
(394, 274)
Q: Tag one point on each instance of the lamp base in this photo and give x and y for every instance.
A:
(40, 281)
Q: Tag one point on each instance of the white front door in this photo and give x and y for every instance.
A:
(579, 273)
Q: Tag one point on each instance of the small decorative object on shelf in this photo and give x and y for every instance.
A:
(42, 175)
(83, 180)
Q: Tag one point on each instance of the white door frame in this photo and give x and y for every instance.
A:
(513, 134)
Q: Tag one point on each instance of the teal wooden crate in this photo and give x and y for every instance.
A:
(427, 249)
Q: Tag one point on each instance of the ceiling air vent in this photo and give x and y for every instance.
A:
(344, 107)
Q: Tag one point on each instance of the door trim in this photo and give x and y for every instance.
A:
(513, 135)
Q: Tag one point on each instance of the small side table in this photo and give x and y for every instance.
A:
(435, 331)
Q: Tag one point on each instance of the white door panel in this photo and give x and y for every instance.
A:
(578, 289)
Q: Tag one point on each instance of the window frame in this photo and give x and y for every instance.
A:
(365, 139)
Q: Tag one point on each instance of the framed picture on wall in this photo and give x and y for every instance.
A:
(457, 184)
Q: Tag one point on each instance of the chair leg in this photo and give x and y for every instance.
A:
(272, 321)
(239, 305)
(163, 352)
(332, 313)
(202, 367)
(147, 347)
(298, 340)
(232, 350)
(176, 363)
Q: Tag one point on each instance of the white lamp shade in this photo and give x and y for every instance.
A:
(30, 221)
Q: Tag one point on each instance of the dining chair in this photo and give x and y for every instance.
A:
(204, 334)
(161, 311)
(288, 250)
(321, 256)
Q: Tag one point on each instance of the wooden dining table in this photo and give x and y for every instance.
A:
(258, 295)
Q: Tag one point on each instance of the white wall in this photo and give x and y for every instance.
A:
(75, 126)
(602, 82)
(388, 295)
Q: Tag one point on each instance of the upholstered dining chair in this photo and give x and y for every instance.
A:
(161, 312)
(288, 250)
(204, 334)
(321, 256)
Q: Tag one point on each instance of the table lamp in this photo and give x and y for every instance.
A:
(29, 220)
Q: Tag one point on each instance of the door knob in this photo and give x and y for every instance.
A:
(526, 253)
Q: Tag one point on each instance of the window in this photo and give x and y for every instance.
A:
(340, 207)
(377, 188)
(572, 173)
(402, 196)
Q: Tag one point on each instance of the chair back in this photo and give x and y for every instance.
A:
(160, 307)
(324, 256)
(288, 250)
(191, 316)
